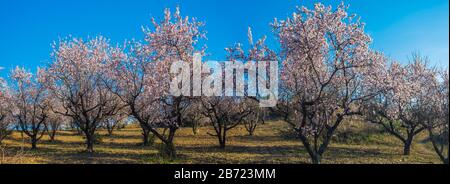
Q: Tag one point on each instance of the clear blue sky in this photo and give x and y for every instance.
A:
(28, 27)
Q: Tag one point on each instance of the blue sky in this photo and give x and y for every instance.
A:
(27, 28)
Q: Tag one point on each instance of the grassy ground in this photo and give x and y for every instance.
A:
(269, 145)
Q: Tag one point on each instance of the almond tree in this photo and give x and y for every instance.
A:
(173, 39)
(408, 103)
(257, 52)
(328, 73)
(193, 117)
(255, 118)
(55, 122)
(227, 112)
(438, 126)
(224, 114)
(77, 82)
(30, 103)
(5, 116)
(113, 123)
(132, 81)
(142, 78)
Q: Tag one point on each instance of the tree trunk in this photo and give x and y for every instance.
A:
(110, 131)
(52, 135)
(439, 150)
(89, 143)
(195, 129)
(33, 142)
(407, 146)
(251, 132)
(407, 149)
(223, 139)
(168, 149)
(316, 159)
(146, 138)
(222, 144)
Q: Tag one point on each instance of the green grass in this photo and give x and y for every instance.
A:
(356, 143)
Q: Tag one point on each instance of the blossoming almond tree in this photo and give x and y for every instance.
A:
(194, 118)
(5, 116)
(142, 78)
(328, 72)
(30, 103)
(55, 121)
(438, 129)
(53, 125)
(408, 103)
(77, 77)
(255, 118)
(173, 39)
(225, 113)
(114, 122)
(131, 80)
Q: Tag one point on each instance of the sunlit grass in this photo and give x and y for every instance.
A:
(268, 145)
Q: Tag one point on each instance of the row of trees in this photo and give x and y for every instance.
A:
(329, 73)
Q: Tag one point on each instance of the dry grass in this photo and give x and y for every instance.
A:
(268, 145)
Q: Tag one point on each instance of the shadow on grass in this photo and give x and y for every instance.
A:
(80, 156)
(108, 151)
(259, 138)
(338, 152)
